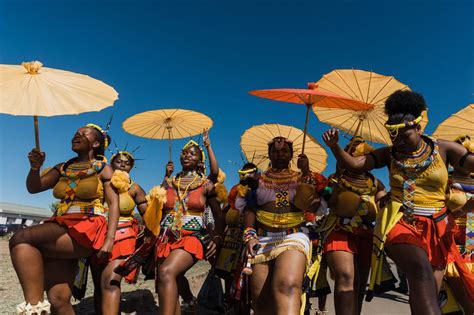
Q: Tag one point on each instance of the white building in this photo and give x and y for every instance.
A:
(11, 213)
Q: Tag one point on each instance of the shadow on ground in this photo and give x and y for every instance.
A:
(393, 297)
(140, 302)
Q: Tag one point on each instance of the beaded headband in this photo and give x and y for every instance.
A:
(192, 143)
(243, 174)
(125, 153)
(279, 142)
(102, 131)
(393, 129)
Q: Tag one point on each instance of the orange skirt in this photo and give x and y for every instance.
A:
(189, 243)
(125, 240)
(88, 231)
(422, 233)
(358, 243)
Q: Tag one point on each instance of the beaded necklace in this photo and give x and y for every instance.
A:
(73, 173)
(410, 167)
(280, 183)
(180, 205)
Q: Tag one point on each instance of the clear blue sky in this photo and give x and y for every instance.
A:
(206, 56)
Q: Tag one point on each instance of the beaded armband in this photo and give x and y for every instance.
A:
(249, 233)
(308, 180)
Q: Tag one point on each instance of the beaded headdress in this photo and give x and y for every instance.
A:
(393, 129)
(192, 143)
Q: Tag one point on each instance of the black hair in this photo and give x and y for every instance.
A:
(460, 140)
(403, 106)
(100, 151)
(248, 166)
(272, 144)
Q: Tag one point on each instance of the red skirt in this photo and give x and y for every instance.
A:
(422, 233)
(189, 243)
(358, 243)
(125, 240)
(88, 231)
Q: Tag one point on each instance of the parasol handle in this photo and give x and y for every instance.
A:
(359, 125)
(169, 143)
(37, 141)
(308, 106)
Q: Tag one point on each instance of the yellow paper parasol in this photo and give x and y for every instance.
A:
(311, 97)
(167, 124)
(254, 144)
(32, 90)
(460, 123)
(364, 86)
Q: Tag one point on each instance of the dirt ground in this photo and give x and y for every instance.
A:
(140, 298)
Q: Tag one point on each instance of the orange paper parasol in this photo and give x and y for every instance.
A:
(311, 97)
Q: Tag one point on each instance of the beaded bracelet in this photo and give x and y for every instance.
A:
(308, 180)
(249, 233)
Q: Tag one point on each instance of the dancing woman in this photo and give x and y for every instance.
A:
(183, 239)
(45, 256)
(461, 220)
(275, 232)
(413, 217)
(106, 282)
(347, 245)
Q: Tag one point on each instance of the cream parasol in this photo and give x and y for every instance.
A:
(34, 90)
(364, 86)
(167, 124)
(254, 145)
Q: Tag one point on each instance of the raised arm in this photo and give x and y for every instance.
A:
(376, 159)
(214, 166)
(36, 183)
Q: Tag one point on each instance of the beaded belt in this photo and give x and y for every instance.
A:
(86, 209)
(262, 232)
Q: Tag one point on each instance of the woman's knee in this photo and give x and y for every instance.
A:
(166, 273)
(288, 286)
(59, 298)
(110, 284)
(344, 281)
(20, 237)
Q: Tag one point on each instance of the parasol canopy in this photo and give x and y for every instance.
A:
(460, 123)
(254, 145)
(311, 97)
(366, 87)
(167, 124)
(34, 90)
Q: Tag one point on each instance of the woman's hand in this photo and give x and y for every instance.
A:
(106, 249)
(303, 164)
(169, 169)
(211, 249)
(252, 246)
(36, 159)
(331, 137)
(205, 138)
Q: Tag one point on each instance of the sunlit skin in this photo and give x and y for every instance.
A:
(49, 250)
(107, 283)
(350, 278)
(275, 286)
(424, 281)
(179, 261)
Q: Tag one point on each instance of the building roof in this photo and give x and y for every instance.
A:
(6, 207)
